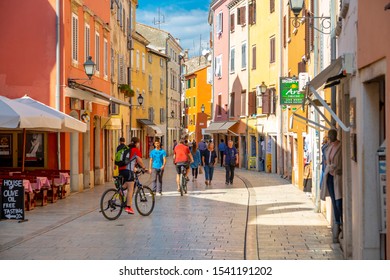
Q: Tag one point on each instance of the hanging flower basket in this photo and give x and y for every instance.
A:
(126, 90)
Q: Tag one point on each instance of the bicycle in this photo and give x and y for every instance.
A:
(183, 179)
(113, 200)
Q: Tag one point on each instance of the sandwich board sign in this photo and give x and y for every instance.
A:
(12, 199)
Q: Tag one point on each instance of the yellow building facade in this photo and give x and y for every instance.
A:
(264, 69)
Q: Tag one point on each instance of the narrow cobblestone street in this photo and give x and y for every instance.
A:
(259, 217)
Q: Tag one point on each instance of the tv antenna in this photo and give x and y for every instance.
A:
(159, 20)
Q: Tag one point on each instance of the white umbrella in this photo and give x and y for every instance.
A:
(69, 124)
(14, 115)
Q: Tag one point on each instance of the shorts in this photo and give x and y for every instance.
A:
(128, 176)
(179, 164)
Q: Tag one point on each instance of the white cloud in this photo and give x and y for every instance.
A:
(187, 25)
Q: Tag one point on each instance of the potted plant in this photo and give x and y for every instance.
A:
(126, 90)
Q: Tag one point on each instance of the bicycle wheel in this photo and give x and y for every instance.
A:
(144, 200)
(182, 182)
(111, 204)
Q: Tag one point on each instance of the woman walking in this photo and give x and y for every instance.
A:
(197, 160)
(208, 159)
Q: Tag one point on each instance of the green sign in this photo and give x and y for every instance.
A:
(289, 92)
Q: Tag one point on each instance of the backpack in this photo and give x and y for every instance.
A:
(121, 158)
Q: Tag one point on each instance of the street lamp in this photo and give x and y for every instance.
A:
(89, 68)
(140, 100)
(296, 7)
(172, 114)
(202, 108)
(263, 88)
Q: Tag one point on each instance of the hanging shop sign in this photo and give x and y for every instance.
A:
(289, 91)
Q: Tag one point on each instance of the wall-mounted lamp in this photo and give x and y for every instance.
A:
(89, 68)
(296, 7)
(202, 108)
(263, 88)
(172, 114)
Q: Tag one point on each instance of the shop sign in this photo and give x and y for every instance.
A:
(289, 91)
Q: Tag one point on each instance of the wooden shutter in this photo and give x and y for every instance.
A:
(238, 16)
(242, 15)
(301, 67)
(250, 14)
(307, 34)
(272, 6)
(266, 109)
(252, 103)
(232, 23)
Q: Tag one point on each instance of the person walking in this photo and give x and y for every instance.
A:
(208, 159)
(121, 144)
(157, 162)
(230, 159)
(197, 161)
(221, 149)
(202, 146)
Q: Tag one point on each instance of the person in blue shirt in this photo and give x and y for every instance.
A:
(209, 158)
(158, 159)
(197, 160)
(230, 160)
(221, 149)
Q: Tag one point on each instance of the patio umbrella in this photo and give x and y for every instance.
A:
(15, 115)
(69, 124)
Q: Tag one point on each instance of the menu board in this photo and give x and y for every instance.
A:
(12, 199)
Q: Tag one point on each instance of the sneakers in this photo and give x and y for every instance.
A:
(226, 183)
(129, 210)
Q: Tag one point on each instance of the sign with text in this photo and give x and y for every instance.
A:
(289, 92)
(12, 199)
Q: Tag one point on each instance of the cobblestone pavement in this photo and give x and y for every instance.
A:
(260, 216)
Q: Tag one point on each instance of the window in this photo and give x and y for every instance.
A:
(151, 114)
(161, 62)
(161, 85)
(232, 101)
(272, 50)
(252, 103)
(252, 12)
(143, 63)
(150, 59)
(105, 70)
(241, 19)
(219, 108)
(137, 61)
(220, 23)
(150, 83)
(97, 51)
(194, 82)
(162, 115)
(87, 39)
(254, 57)
(243, 103)
(209, 75)
(232, 22)
(271, 6)
(189, 83)
(232, 59)
(75, 38)
(243, 55)
(112, 63)
(194, 101)
(218, 66)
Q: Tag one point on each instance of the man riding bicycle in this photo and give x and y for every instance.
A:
(182, 156)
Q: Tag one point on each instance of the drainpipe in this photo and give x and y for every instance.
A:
(278, 107)
(166, 96)
(58, 60)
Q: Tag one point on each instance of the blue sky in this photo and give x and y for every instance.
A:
(186, 20)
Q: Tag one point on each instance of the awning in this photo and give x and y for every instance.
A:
(220, 127)
(330, 76)
(213, 127)
(103, 95)
(152, 129)
(111, 123)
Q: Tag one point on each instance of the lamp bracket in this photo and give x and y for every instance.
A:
(73, 84)
(324, 23)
